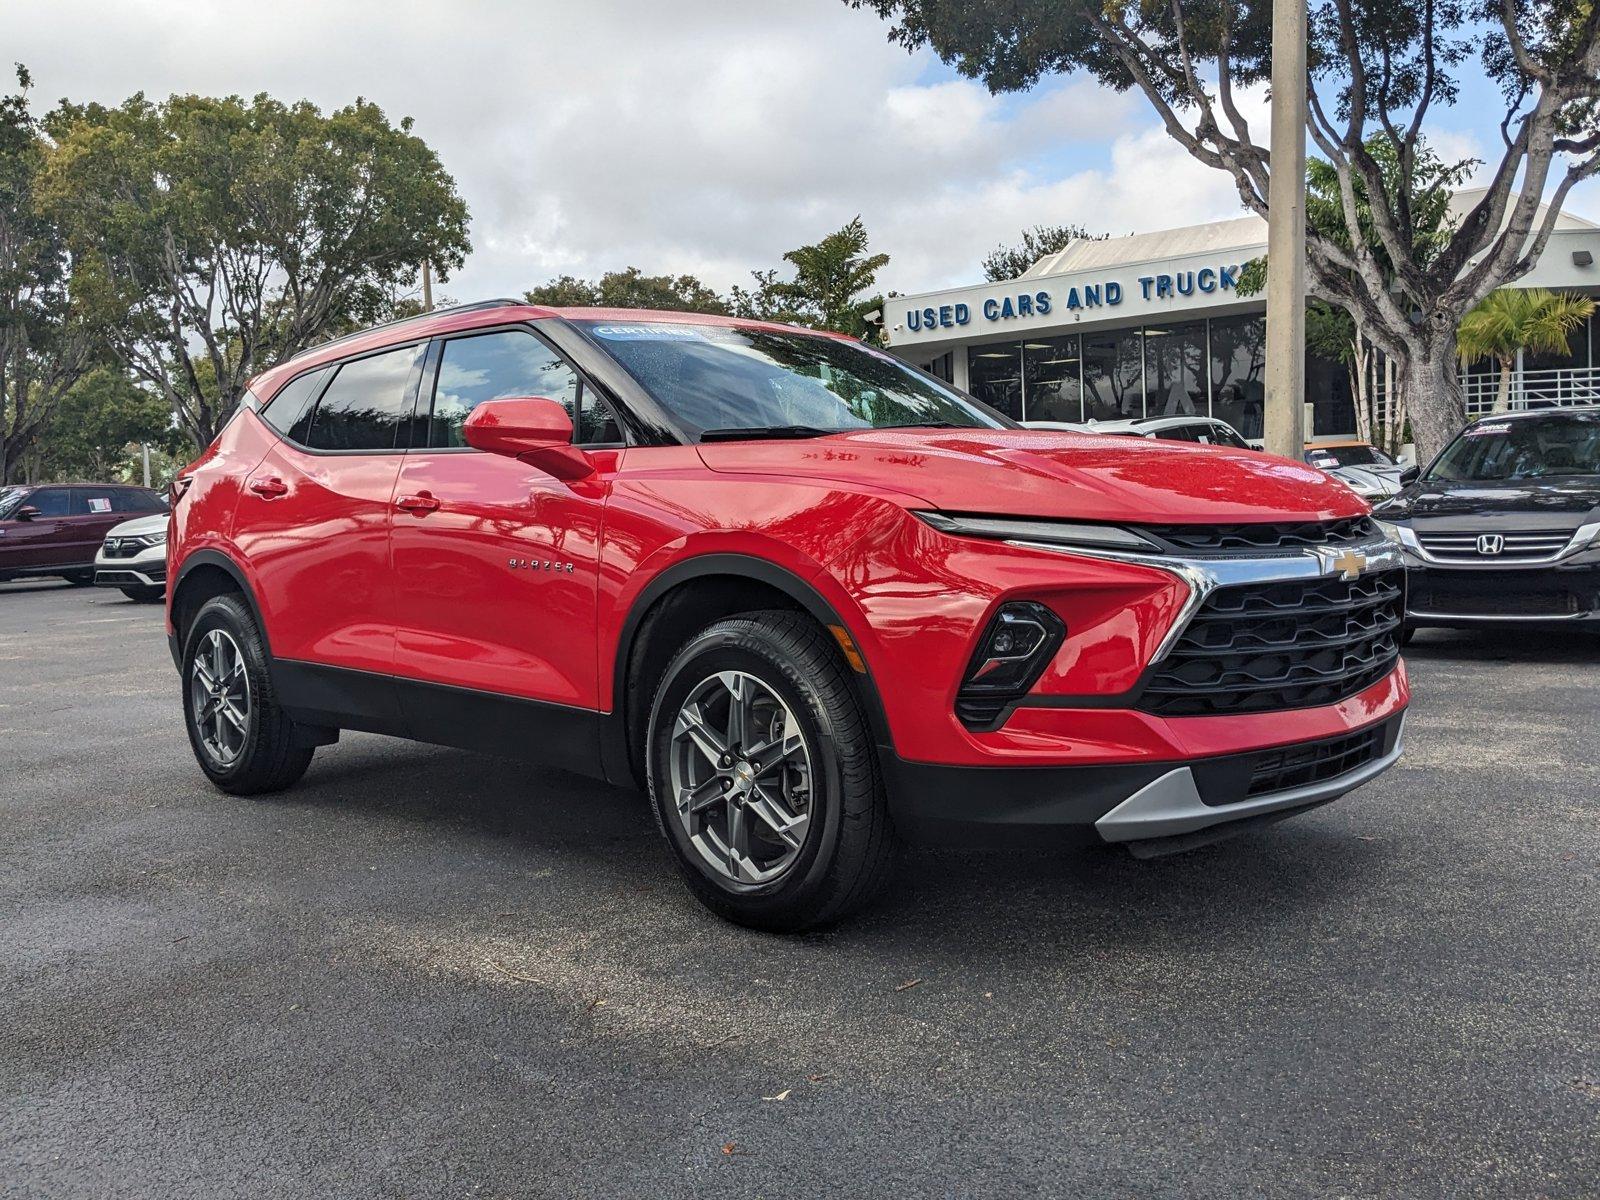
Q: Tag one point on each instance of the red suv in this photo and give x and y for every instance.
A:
(813, 599)
(57, 528)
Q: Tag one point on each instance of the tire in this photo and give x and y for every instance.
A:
(80, 578)
(258, 753)
(1406, 634)
(794, 685)
(144, 595)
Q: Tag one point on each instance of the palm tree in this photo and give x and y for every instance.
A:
(1514, 319)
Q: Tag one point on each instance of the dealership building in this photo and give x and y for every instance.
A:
(1153, 325)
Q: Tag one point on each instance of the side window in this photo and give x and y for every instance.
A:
(93, 502)
(511, 362)
(365, 404)
(293, 402)
(51, 502)
(132, 500)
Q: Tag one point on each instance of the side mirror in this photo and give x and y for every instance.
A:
(530, 429)
(27, 513)
(1409, 475)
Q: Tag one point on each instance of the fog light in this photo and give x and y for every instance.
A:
(1019, 641)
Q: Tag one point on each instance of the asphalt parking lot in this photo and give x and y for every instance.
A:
(427, 973)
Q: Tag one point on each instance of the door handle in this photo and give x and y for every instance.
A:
(269, 487)
(421, 504)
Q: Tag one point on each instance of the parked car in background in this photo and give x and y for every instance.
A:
(57, 528)
(1207, 431)
(1504, 526)
(811, 598)
(133, 559)
(1362, 467)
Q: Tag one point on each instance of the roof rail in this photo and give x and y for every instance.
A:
(401, 322)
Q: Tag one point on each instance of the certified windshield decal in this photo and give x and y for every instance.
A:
(651, 333)
(1487, 430)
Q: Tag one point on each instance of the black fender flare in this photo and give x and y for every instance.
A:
(748, 567)
(216, 558)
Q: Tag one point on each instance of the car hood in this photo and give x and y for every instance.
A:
(140, 526)
(1369, 479)
(1576, 496)
(1043, 473)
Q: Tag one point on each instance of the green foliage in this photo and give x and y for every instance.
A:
(1009, 262)
(826, 292)
(630, 288)
(1514, 319)
(238, 232)
(95, 431)
(43, 346)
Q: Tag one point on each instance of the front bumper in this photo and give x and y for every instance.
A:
(1152, 807)
(1535, 595)
(142, 570)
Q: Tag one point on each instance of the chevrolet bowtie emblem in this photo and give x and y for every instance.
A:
(1350, 564)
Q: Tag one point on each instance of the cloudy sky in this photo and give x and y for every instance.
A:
(705, 136)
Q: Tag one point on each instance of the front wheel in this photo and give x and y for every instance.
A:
(143, 594)
(79, 578)
(764, 778)
(242, 739)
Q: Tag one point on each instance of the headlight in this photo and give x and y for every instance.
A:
(155, 539)
(1055, 533)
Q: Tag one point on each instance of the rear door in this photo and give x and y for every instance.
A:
(313, 517)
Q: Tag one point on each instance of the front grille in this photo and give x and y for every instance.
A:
(123, 547)
(1262, 647)
(1299, 766)
(1229, 540)
(1528, 593)
(1463, 545)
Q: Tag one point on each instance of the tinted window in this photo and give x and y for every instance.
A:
(1508, 450)
(720, 377)
(51, 502)
(512, 362)
(293, 402)
(365, 404)
(93, 502)
(132, 500)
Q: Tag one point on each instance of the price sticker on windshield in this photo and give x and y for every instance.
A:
(1488, 430)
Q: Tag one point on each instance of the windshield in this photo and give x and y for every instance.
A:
(1507, 451)
(10, 500)
(1347, 456)
(732, 380)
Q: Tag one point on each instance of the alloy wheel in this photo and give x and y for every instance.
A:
(741, 777)
(219, 697)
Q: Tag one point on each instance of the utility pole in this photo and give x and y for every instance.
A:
(427, 285)
(1286, 236)
(144, 451)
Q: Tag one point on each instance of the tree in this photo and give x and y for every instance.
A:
(630, 288)
(234, 233)
(1378, 69)
(44, 347)
(1338, 333)
(826, 292)
(1009, 262)
(1516, 319)
(105, 413)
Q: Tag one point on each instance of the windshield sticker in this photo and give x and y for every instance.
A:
(99, 505)
(651, 333)
(1486, 430)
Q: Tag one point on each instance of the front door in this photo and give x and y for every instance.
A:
(49, 539)
(496, 562)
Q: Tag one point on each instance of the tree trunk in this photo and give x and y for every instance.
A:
(1502, 396)
(1433, 398)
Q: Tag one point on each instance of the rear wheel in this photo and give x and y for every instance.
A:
(141, 594)
(241, 738)
(764, 778)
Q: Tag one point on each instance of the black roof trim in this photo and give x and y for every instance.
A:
(403, 322)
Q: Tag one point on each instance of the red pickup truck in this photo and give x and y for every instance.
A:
(814, 600)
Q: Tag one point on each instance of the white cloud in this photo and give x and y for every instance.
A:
(704, 135)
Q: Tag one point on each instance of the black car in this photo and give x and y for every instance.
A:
(1504, 525)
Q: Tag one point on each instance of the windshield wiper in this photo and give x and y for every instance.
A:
(930, 425)
(736, 434)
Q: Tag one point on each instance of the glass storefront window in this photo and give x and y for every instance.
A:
(1113, 375)
(1238, 367)
(1050, 366)
(994, 375)
(1174, 370)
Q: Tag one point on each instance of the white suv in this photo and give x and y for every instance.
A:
(133, 558)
